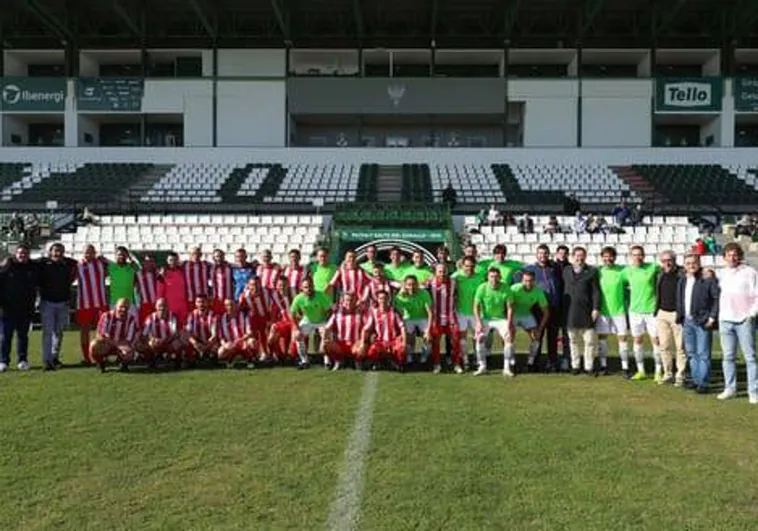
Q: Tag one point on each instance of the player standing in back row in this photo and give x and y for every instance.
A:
(641, 278)
(612, 319)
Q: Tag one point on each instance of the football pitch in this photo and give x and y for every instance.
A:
(284, 449)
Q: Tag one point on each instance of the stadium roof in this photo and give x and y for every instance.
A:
(102, 24)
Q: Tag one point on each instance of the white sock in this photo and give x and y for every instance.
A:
(657, 358)
(481, 354)
(624, 355)
(508, 351)
(639, 357)
(326, 360)
(603, 351)
(301, 352)
(534, 350)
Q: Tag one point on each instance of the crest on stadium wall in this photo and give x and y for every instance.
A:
(396, 93)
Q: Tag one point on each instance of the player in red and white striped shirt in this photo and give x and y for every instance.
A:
(377, 283)
(253, 303)
(385, 332)
(343, 333)
(444, 318)
(200, 328)
(295, 273)
(197, 276)
(268, 272)
(163, 336)
(233, 336)
(117, 333)
(281, 332)
(92, 297)
(350, 278)
(146, 281)
(222, 281)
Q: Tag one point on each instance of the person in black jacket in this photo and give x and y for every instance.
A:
(581, 304)
(18, 293)
(697, 309)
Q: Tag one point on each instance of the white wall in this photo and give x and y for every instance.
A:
(711, 128)
(728, 115)
(70, 121)
(13, 125)
(192, 98)
(550, 111)
(263, 63)
(251, 113)
(207, 57)
(616, 113)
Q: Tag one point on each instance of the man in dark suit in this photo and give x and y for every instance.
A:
(581, 305)
(698, 311)
(18, 293)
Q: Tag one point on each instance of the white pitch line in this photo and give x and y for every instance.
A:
(346, 506)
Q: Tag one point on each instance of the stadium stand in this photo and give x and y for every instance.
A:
(698, 183)
(474, 183)
(596, 183)
(417, 183)
(303, 183)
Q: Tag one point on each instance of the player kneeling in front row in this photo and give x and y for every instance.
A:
(234, 337)
(343, 332)
(117, 332)
(526, 296)
(416, 307)
(253, 304)
(163, 337)
(310, 310)
(201, 324)
(493, 311)
(385, 334)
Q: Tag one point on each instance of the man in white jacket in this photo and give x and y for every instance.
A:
(738, 307)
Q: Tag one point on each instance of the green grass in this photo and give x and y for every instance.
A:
(262, 450)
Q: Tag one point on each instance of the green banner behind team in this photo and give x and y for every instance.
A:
(687, 95)
(40, 94)
(746, 94)
(413, 235)
(110, 94)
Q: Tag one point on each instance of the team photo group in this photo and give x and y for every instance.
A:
(372, 315)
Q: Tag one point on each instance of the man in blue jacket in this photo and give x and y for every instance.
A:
(549, 276)
(698, 310)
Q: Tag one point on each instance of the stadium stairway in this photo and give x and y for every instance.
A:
(515, 194)
(368, 184)
(389, 185)
(151, 176)
(640, 185)
(416, 183)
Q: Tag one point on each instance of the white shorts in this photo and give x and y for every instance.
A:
(498, 325)
(412, 325)
(641, 323)
(612, 326)
(527, 322)
(466, 323)
(308, 329)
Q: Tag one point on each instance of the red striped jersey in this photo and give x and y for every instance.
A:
(267, 275)
(295, 276)
(196, 277)
(200, 324)
(159, 327)
(373, 287)
(254, 305)
(231, 327)
(387, 325)
(346, 326)
(91, 291)
(222, 282)
(443, 298)
(147, 286)
(110, 326)
(350, 280)
(279, 306)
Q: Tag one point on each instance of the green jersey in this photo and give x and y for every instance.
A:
(395, 273)
(507, 268)
(368, 266)
(322, 275)
(465, 291)
(524, 301)
(612, 283)
(492, 301)
(413, 307)
(423, 274)
(641, 280)
(121, 281)
(314, 309)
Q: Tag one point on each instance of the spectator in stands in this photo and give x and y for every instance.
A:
(493, 216)
(699, 248)
(571, 205)
(552, 226)
(449, 195)
(621, 214)
(744, 226)
(56, 273)
(711, 246)
(636, 217)
(580, 223)
(87, 217)
(597, 224)
(525, 224)
(18, 293)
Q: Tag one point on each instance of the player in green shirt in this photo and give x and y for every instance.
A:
(322, 271)
(493, 310)
(121, 276)
(310, 309)
(612, 319)
(470, 251)
(526, 295)
(371, 261)
(395, 270)
(467, 281)
(642, 280)
(510, 270)
(419, 269)
(415, 306)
